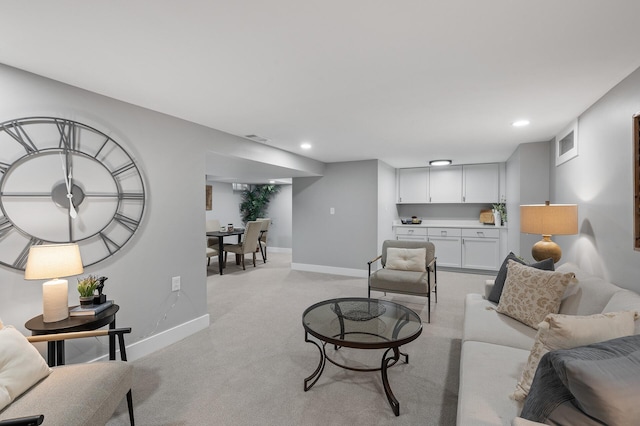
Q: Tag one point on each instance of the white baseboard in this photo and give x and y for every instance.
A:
(161, 340)
(359, 273)
(278, 250)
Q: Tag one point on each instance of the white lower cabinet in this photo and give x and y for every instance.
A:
(411, 234)
(481, 249)
(468, 248)
(447, 243)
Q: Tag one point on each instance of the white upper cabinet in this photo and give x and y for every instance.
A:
(413, 185)
(481, 183)
(445, 184)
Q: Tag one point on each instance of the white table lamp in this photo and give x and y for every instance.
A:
(50, 262)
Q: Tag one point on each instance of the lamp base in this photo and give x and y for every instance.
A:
(545, 249)
(55, 300)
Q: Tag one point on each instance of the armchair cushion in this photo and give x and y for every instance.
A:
(21, 365)
(404, 259)
(407, 282)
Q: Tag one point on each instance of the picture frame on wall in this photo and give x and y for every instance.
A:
(566, 144)
(209, 197)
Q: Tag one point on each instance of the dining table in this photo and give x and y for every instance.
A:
(221, 235)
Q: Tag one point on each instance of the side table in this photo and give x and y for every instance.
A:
(55, 350)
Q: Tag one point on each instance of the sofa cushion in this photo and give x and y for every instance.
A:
(498, 285)
(78, 394)
(531, 294)
(569, 331)
(589, 296)
(487, 374)
(21, 365)
(404, 259)
(483, 324)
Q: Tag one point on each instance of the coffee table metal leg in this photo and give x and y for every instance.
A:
(316, 374)
(395, 405)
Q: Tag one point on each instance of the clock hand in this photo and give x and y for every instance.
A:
(67, 182)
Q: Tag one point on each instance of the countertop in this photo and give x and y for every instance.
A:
(447, 224)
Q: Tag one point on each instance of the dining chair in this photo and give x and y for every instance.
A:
(212, 225)
(262, 242)
(248, 244)
(211, 252)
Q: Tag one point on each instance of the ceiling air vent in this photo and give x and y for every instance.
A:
(257, 138)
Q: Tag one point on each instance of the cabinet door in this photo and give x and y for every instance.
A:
(413, 185)
(445, 184)
(447, 251)
(481, 253)
(481, 183)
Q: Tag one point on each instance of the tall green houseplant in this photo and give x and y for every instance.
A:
(255, 201)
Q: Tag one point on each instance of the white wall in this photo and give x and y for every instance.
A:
(600, 181)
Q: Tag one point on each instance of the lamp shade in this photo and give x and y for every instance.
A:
(53, 261)
(549, 219)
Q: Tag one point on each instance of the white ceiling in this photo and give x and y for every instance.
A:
(403, 81)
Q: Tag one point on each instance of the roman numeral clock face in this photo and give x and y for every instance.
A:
(62, 181)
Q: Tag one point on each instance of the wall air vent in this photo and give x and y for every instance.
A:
(257, 138)
(240, 186)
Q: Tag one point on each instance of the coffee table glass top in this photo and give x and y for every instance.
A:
(362, 323)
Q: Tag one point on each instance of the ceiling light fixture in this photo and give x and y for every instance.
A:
(520, 123)
(439, 162)
(305, 145)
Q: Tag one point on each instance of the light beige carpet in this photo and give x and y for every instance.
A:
(248, 367)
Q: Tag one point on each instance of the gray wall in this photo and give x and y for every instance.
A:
(348, 238)
(527, 183)
(600, 181)
(170, 242)
(225, 204)
(281, 213)
(387, 211)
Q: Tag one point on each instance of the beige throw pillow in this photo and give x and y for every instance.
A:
(531, 294)
(559, 331)
(403, 259)
(21, 365)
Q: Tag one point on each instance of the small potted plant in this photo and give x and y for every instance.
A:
(87, 287)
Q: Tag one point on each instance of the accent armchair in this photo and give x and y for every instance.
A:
(406, 269)
(70, 395)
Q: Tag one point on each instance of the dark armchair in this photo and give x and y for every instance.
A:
(403, 273)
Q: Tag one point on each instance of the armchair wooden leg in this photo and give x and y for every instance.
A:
(243, 268)
(254, 259)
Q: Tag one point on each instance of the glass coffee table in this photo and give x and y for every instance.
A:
(361, 323)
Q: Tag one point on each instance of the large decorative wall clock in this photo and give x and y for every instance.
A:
(63, 181)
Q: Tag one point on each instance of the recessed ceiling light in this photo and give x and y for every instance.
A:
(520, 123)
(439, 162)
(272, 181)
(305, 145)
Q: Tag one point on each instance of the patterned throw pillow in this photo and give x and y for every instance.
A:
(531, 294)
(403, 259)
(559, 331)
(498, 283)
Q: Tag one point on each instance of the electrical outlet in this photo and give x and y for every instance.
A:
(175, 284)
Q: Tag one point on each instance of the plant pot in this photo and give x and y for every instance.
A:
(86, 300)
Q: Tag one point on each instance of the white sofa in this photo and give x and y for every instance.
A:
(495, 347)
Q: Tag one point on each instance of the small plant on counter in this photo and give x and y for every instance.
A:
(87, 286)
(501, 208)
